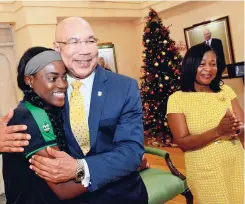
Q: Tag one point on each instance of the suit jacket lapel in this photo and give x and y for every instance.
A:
(97, 101)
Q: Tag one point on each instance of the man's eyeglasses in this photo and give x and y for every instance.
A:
(75, 42)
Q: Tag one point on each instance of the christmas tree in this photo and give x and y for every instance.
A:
(160, 77)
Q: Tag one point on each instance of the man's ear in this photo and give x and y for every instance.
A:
(28, 80)
(56, 47)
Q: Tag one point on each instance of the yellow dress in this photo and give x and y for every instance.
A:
(215, 172)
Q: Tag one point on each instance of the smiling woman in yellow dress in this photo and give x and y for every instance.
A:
(207, 123)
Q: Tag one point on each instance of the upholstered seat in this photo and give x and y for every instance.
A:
(162, 185)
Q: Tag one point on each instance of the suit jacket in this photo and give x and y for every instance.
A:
(116, 132)
(216, 44)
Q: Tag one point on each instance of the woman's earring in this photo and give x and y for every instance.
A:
(30, 86)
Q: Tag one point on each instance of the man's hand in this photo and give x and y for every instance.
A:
(10, 138)
(60, 168)
(144, 164)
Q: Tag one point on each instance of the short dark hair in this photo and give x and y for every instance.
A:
(29, 54)
(191, 62)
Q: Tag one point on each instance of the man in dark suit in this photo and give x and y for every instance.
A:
(113, 117)
(216, 44)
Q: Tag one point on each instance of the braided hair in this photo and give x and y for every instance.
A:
(54, 113)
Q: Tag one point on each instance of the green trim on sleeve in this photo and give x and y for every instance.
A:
(42, 121)
(33, 152)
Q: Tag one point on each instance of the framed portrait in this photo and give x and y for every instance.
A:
(219, 31)
(107, 56)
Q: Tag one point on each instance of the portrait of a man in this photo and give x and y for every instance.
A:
(215, 33)
(216, 44)
(102, 64)
(107, 56)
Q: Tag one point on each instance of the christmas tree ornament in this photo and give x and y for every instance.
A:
(163, 53)
(156, 64)
(166, 77)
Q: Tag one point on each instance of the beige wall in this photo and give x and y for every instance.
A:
(122, 34)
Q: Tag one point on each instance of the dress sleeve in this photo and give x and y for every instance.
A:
(229, 92)
(38, 141)
(174, 103)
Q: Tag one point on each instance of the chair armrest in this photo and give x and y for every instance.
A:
(165, 155)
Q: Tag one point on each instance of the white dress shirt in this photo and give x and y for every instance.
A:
(209, 42)
(86, 90)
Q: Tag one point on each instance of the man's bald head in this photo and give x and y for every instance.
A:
(207, 34)
(70, 24)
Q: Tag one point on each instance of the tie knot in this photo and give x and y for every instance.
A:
(76, 85)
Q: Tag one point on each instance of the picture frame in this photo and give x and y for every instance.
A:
(219, 29)
(236, 70)
(107, 56)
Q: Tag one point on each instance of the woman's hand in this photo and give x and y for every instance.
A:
(229, 125)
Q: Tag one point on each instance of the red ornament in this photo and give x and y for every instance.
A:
(152, 92)
(147, 30)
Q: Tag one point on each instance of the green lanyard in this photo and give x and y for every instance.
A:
(42, 121)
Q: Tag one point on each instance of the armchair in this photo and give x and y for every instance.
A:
(162, 185)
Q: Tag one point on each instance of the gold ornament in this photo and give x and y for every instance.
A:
(175, 57)
(163, 53)
(165, 41)
(143, 55)
(156, 75)
(156, 64)
(169, 63)
(147, 41)
(178, 78)
(161, 85)
(165, 124)
(166, 78)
